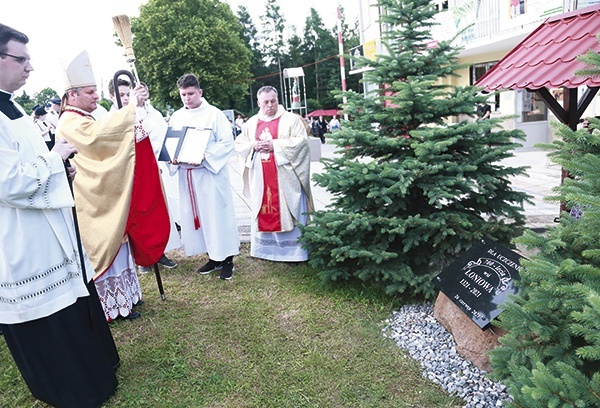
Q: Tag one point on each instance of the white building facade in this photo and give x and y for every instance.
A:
(487, 30)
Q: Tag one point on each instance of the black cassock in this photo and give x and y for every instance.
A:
(69, 358)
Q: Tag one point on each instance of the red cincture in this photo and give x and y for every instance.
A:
(192, 190)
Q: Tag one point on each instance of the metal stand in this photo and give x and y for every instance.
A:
(159, 282)
(295, 91)
(67, 164)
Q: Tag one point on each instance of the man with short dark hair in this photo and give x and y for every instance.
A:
(124, 88)
(50, 314)
(273, 149)
(208, 222)
(322, 128)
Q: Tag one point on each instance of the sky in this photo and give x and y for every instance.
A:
(59, 30)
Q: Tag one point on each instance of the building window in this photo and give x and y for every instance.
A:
(476, 71)
(517, 8)
(530, 107)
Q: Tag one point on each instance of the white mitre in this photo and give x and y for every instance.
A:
(78, 72)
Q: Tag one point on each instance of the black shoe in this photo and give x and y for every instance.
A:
(227, 271)
(133, 315)
(144, 269)
(139, 303)
(167, 263)
(210, 266)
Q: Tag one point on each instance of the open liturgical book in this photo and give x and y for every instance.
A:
(187, 145)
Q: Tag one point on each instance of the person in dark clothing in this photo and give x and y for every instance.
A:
(314, 127)
(485, 111)
(321, 128)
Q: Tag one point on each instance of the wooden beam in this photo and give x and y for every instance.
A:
(586, 99)
(570, 104)
(572, 109)
(552, 104)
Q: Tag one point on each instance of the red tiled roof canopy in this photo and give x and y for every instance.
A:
(324, 112)
(547, 58)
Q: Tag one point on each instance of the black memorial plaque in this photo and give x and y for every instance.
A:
(481, 280)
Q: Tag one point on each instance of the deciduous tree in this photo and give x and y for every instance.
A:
(272, 31)
(25, 101)
(44, 96)
(175, 37)
(321, 49)
(258, 67)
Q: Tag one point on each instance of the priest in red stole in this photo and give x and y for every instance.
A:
(120, 205)
(273, 149)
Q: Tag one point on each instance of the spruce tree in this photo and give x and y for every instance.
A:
(551, 353)
(550, 356)
(272, 42)
(412, 189)
(318, 46)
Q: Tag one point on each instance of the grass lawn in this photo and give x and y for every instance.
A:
(274, 336)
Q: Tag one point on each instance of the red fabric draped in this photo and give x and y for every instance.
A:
(269, 216)
(148, 225)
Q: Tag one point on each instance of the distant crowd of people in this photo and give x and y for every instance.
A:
(319, 127)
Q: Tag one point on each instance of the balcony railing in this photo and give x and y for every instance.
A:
(477, 20)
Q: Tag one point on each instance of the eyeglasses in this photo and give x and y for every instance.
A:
(20, 60)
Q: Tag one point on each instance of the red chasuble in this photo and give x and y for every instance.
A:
(148, 225)
(269, 216)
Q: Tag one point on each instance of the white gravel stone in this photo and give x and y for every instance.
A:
(414, 329)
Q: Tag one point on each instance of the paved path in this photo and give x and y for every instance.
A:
(541, 177)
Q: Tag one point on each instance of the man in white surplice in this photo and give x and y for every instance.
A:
(274, 152)
(49, 310)
(208, 222)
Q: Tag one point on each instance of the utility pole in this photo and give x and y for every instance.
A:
(281, 82)
(341, 52)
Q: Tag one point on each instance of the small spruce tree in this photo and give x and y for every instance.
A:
(550, 356)
(411, 190)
